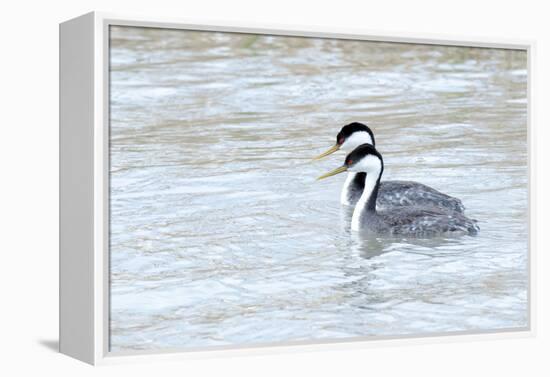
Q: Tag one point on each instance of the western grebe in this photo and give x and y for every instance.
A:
(417, 221)
(392, 193)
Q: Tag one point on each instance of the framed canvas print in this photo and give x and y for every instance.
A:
(228, 188)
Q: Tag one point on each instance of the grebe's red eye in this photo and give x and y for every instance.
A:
(350, 161)
(341, 141)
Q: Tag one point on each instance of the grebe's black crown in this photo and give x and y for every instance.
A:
(351, 128)
(360, 152)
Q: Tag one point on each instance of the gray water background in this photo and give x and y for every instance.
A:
(219, 234)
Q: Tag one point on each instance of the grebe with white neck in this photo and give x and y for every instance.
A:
(416, 221)
(391, 193)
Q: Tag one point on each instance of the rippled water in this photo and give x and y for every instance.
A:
(221, 236)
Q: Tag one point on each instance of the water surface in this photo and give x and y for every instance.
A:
(220, 234)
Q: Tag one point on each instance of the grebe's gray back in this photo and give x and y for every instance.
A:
(391, 193)
(417, 221)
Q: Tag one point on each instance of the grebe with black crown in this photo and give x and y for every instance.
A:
(391, 193)
(415, 221)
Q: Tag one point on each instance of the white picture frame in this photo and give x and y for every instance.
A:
(84, 190)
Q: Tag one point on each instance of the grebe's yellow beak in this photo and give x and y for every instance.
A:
(326, 153)
(339, 170)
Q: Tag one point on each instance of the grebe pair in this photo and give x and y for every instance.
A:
(407, 208)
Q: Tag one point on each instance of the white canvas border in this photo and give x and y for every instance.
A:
(101, 190)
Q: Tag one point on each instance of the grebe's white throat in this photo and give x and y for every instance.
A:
(346, 190)
(371, 165)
